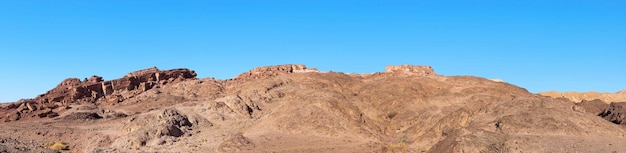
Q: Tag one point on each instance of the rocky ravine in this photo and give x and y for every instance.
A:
(292, 108)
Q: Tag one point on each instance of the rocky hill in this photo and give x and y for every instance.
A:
(95, 90)
(619, 96)
(292, 108)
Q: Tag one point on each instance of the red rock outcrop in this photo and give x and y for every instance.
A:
(90, 90)
(272, 71)
(97, 91)
(410, 70)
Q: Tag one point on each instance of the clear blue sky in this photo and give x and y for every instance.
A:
(536, 44)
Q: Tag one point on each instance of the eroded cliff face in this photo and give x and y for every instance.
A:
(95, 90)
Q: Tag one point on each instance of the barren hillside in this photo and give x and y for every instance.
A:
(619, 96)
(292, 108)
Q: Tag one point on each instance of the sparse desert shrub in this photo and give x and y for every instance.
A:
(57, 145)
(399, 145)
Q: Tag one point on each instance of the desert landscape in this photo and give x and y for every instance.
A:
(293, 108)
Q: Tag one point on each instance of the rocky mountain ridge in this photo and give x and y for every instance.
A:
(292, 108)
(619, 96)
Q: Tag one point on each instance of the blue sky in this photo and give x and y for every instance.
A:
(539, 45)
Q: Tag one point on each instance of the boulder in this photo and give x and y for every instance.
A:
(13, 116)
(30, 107)
(83, 116)
(155, 128)
(49, 114)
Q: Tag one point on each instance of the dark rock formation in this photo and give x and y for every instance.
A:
(49, 114)
(616, 113)
(83, 116)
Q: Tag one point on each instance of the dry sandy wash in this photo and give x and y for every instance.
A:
(292, 108)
